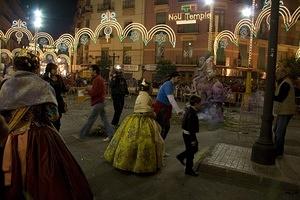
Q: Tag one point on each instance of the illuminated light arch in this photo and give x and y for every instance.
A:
(67, 58)
(288, 19)
(44, 35)
(264, 13)
(247, 23)
(19, 28)
(286, 15)
(134, 26)
(49, 53)
(8, 52)
(298, 54)
(2, 35)
(162, 28)
(81, 32)
(224, 34)
(15, 51)
(114, 24)
(295, 17)
(67, 39)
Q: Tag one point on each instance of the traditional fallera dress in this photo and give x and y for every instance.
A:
(137, 145)
(36, 164)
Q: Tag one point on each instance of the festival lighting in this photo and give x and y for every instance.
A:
(247, 12)
(38, 19)
(209, 2)
(288, 19)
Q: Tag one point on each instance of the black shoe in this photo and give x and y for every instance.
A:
(191, 173)
(180, 160)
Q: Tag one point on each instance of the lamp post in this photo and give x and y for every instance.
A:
(249, 12)
(263, 150)
(37, 24)
(211, 12)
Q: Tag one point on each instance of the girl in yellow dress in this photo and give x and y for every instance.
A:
(137, 145)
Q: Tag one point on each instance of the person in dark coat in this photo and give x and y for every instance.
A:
(57, 83)
(119, 89)
(190, 126)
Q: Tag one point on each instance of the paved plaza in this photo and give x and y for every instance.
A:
(214, 182)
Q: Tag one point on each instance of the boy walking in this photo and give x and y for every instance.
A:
(190, 126)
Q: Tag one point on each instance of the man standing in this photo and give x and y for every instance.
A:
(97, 93)
(284, 107)
(119, 89)
(164, 103)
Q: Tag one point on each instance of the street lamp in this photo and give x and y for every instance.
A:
(249, 12)
(211, 4)
(37, 24)
(263, 150)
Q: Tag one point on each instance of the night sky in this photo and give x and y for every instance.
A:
(58, 18)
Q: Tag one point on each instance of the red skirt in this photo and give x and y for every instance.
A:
(52, 173)
(162, 109)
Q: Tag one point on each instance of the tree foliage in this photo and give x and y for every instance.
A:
(104, 65)
(293, 65)
(164, 68)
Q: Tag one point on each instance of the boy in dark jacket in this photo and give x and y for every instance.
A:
(190, 126)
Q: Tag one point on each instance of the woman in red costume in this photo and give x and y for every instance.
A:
(35, 162)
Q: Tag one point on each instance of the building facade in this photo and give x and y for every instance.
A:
(127, 52)
(10, 10)
(190, 20)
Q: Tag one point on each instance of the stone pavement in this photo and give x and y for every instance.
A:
(236, 161)
(170, 183)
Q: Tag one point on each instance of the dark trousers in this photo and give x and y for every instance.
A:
(118, 102)
(164, 122)
(281, 124)
(191, 147)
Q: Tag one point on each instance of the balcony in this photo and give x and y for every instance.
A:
(186, 61)
(128, 4)
(161, 2)
(127, 60)
(104, 7)
(87, 9)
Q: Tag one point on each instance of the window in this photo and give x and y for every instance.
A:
(87, 23)
(106, 5)
(161, 2)
(104, 54)
(159, 52)
(188, 28)
(126, 55)
(125, 25)
(261, 63)
(128, 3)
(244, 55)
(220, 15)
(221, 58)
(187, 52)
(161, 18)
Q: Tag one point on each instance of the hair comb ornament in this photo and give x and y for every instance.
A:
(144, 83)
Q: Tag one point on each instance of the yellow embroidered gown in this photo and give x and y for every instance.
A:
(137, 145)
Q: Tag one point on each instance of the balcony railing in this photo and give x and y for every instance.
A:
(186, 61)
(105, 6)
(128, 4)
(161, 2)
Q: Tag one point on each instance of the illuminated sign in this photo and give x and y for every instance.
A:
(190, 15)
(131, 68)
(188, 18)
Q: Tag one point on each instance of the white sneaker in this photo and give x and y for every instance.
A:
(107, 139)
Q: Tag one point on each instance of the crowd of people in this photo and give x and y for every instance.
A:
(36, 163)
